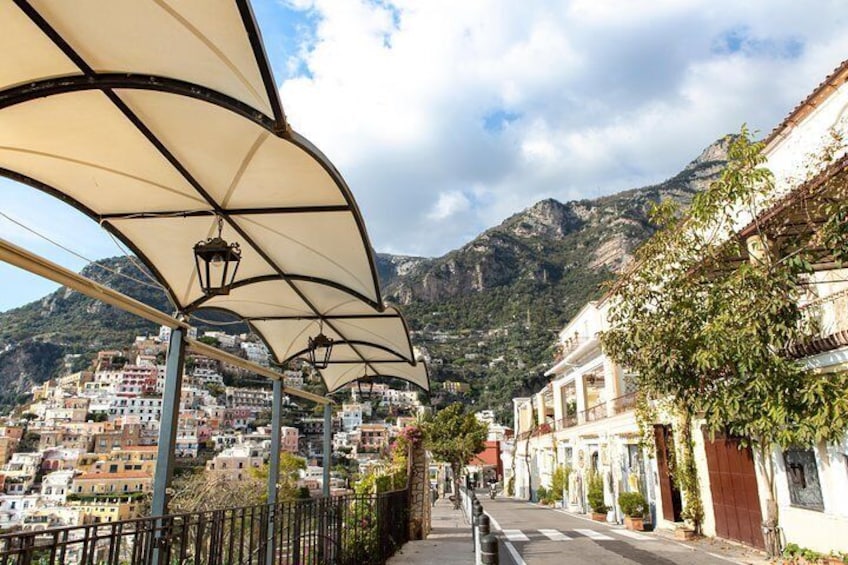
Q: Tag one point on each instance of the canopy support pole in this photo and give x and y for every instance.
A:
(168, 422)
(274, 468)
(328, 455)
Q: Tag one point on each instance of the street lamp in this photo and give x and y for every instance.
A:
(217, 262)
(320, 348)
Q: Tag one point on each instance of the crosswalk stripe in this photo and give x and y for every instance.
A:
(554, 535)
(594, 535)
(632, 535)
(515, 535)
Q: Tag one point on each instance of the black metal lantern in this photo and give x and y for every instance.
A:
(320, 349)
(217, 263)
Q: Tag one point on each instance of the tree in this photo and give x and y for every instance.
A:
(290, 467)
(455, 436)
(711, 336)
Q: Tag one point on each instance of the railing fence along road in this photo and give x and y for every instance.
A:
(344, 530)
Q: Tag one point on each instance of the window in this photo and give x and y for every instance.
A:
(802, 474)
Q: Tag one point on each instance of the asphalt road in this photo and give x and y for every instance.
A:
(535, 535)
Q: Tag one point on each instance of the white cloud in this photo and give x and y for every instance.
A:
(418, 101)
(448, 204)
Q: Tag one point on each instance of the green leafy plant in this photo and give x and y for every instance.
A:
(559, 481)
(633, 504)
(595, 494)
(454, 436)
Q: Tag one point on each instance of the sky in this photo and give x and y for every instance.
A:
(446, 117)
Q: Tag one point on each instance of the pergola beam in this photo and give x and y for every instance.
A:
(28, 261)
(215, 353)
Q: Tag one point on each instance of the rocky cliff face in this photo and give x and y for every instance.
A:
(548, 241)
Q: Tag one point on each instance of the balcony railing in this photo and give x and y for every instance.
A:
(596, 412)
(569, 345)
(829, 316)
(340, 530)
(567, 422)
(624, 403)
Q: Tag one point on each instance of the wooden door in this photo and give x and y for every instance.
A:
(733, 485)
(671, 502)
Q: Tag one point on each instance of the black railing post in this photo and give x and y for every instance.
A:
(296, 534)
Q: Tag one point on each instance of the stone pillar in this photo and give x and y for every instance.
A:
(420, 500)
(761, 249)
(613, 385)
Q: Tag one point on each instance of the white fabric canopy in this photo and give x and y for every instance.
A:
(156, 118)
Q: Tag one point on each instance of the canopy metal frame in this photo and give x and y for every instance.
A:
(110, 82)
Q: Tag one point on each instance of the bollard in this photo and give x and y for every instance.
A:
(483, 525)
(476, 511)
(489, 550)
(482, 530)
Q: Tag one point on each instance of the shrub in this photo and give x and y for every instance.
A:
(510, 486)
(633, 504)
(596, 494)
(541, 493)
(559, 481)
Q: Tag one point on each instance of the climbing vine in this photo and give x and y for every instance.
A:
(708, 320)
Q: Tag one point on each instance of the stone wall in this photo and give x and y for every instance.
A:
(420, 501)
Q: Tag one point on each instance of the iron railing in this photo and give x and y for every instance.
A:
(344, 530)
(624, 403)
(594, 413)
(567, 422)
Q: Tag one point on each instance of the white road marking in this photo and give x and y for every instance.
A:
(515, 535)
(632, 535)
(594, 535)
(555, 535)
(516, 557)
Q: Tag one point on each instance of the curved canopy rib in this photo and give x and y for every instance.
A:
(97, 109)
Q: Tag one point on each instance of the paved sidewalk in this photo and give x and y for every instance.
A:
(716, 547)
(449, 543)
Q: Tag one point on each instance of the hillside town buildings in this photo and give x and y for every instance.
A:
(84, 449)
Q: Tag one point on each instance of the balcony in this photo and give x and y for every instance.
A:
(567, 422)
(829, 316)
(594, 413)
(346, 530)
(624, 403)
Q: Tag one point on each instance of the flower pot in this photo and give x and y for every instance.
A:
(634, 523)
(683, 533)
(599, 516)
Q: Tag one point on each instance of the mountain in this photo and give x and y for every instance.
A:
(548, 245)
(487, 313)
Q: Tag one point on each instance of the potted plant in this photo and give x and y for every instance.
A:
(595, 495)
(633, 505)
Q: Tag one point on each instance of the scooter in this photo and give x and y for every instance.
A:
(493, 490)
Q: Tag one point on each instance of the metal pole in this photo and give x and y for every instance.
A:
(328, 455)
(274, 468)
(168, 422)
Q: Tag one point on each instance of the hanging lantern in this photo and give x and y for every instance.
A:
(320, 348)
(217, 263)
